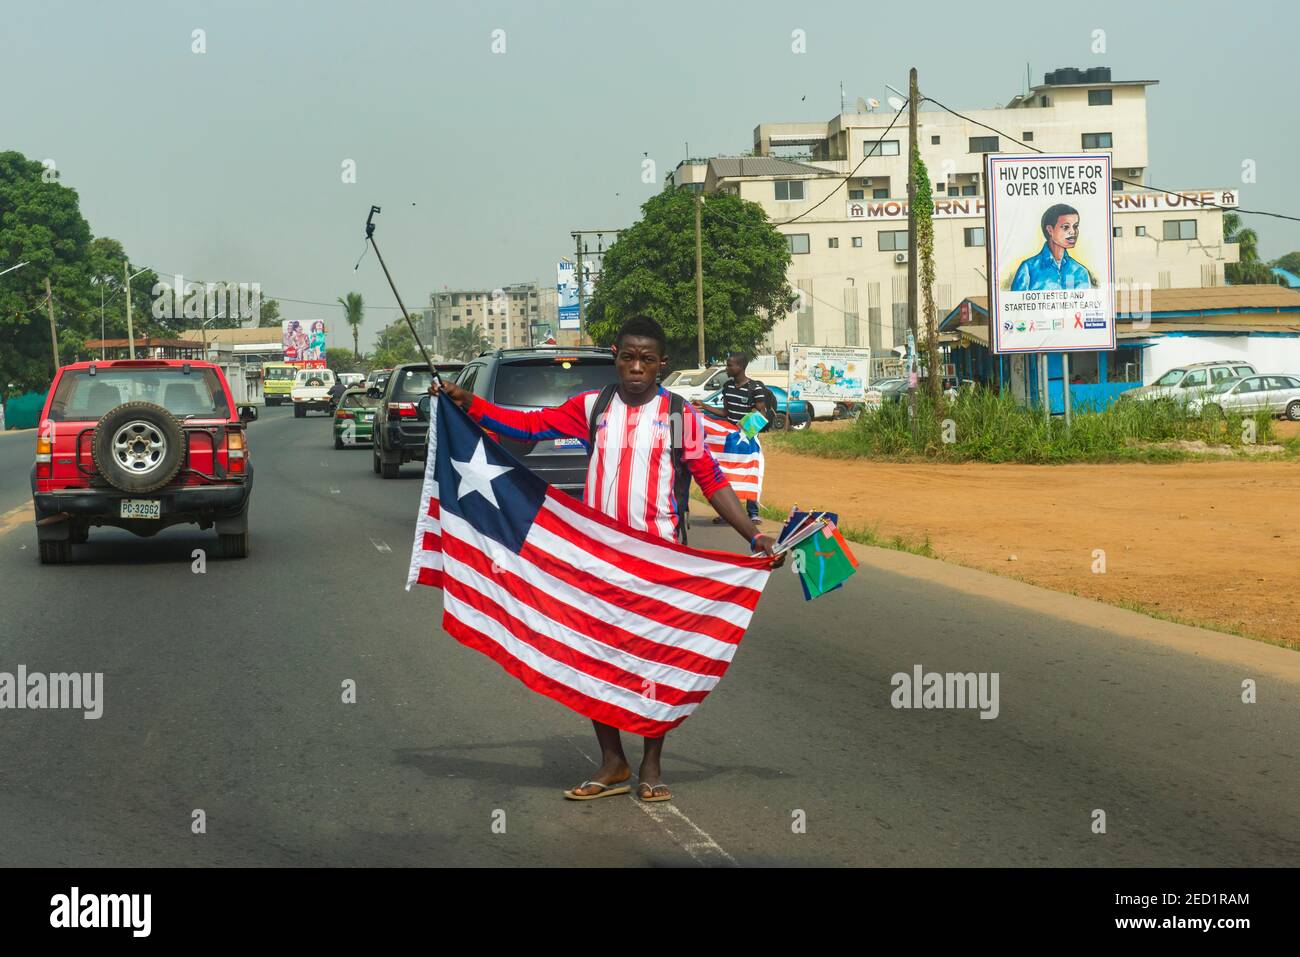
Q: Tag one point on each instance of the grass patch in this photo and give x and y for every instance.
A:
(982, 425)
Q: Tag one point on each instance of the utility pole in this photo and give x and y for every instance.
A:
(54, 339)
(912, 97)
(130, 326)
(699, 277)
(577, 275)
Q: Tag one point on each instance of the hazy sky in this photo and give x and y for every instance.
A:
(227, 165)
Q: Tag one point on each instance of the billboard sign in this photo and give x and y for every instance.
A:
(837, 373)
(303, 345)
(1051, 255)
(567, 289)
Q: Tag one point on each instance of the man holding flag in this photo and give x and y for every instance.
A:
(596, 605)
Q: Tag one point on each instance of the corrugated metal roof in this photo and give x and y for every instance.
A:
(239, 337)
(722, 166)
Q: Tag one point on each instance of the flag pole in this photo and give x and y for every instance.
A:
(370, 237)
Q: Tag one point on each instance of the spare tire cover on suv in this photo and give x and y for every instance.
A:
(137, 447)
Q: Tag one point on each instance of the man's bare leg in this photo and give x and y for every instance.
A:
(614, 768)
(651, 784)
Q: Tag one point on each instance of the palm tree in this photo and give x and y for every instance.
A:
(467, 341)
(352, 311)
(1250, 268)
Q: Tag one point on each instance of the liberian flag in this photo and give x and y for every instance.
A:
(618, 624)
(739, 456)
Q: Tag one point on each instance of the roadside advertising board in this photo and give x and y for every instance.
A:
(838, 373)
(1051, 252)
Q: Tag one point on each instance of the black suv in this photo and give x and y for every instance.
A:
(400, 434)
(539, 378)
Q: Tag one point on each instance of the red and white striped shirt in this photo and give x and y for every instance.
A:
(630, 477)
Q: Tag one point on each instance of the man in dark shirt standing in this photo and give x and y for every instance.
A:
(741, 395)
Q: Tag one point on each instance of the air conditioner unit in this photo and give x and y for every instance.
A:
(1134, 172)
(900, 257)
(866, 182)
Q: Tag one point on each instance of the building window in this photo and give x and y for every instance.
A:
(789, 190)
(974, 235)
(1096, 141)
(1140, 231)
(1124, 365)
(940, 187)
(954, 191)
(880, 194)
(1117, 231)
(1099, 97)
(892, 240)
(883, 148)
(1117, 185)
(934, 141)
(856, 194)
(970, 189)
(857, 242)
(1180, 229)
(1027, 136)
(983, 144)
(834, 242)
(798, 243)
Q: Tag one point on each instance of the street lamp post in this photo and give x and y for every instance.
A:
(130, 326)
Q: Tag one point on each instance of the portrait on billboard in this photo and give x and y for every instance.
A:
(1053, 267)
(1051, 252)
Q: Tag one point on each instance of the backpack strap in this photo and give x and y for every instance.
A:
(597, 410)
(681, 474)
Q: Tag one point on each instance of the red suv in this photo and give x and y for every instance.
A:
(140, 444)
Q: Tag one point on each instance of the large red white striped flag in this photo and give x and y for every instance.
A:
(618, 624)
(739, 456)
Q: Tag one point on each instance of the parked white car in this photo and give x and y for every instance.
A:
(1278, 394)
(694, 384)
(1189, 382)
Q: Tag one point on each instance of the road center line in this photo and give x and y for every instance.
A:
(681, 829)
(380, 546)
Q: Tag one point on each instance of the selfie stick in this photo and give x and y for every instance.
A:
(370, 235)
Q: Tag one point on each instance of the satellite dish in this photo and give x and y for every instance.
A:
(873, 103)
(862, 106)
(895, 104)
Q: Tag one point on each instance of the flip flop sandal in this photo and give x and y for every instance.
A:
(652, 798)
(606, 790)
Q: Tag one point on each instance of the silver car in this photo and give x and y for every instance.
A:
(1277, 394)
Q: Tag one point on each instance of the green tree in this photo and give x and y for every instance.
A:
(650, 270)
(40, 224)
(1290, 262)
(923, 207)
(353, 310)
(467, 341)
(1250, 268)
(395, 344)
(342, 360)
(268, 317)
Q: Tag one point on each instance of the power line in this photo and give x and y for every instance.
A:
(1146, 186)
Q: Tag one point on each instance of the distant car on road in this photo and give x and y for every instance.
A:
(354, 419)
(539, 378)
(140, 445)
(399, 434)
(311, 391)
(795, 415)
(1275, 394)
(351, 379)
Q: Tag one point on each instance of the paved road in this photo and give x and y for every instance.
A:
(223, 694)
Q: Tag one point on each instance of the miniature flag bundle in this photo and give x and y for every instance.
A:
(823, 559)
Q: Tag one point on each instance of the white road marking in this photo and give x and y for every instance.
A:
(703, 849)
(333, 490)
(380, 546)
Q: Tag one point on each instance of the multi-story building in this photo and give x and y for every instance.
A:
(848, 237)
(508, 316)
